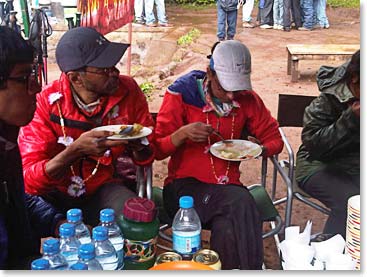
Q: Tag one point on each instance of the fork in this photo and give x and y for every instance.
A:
(215, 132)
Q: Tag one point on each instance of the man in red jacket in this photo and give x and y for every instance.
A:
(195, 108)
(65, 160)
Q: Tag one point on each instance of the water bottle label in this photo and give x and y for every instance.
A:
(140, 251)
(186, 244)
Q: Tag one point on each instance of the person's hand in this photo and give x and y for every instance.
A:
(197, 131)
(255, 140)
(356, 106)
(95, 143)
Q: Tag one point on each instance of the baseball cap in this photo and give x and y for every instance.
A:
(84, 46)
(231, 61)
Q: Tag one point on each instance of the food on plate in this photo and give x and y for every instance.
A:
(130, 130)
(235, 151)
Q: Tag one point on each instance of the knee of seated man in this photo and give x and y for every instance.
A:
(238, 195)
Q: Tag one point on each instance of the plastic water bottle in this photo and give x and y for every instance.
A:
(107, 219)
(105, 252)
(40, 264)
(69, 244)
(186, 229)
(87, 255)
(51, 252)
(81, 231)
(79, 266)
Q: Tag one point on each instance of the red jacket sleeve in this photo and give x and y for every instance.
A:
(265, 128)
(169, 119)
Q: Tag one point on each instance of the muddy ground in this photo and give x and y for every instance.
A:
(156, 58)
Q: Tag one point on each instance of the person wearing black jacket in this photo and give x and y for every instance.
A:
(24, 219)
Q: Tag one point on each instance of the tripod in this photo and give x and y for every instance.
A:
(40, 30)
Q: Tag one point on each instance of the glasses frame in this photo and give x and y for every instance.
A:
(104, 71)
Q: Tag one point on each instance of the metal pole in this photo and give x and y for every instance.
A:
(130, 31)
(25, 16)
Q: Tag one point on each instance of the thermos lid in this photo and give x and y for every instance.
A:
(139, 209)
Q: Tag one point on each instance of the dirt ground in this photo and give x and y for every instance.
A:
(269, 76)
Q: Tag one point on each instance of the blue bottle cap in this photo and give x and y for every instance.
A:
(40, 264)
(67, 230)
(74, 215)
(107, 215)
(86, 251)
(100, 233)
(51, 246)
(79, 266)
(186, 202)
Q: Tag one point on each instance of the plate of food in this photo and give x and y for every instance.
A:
(235, 150)
(126, 132)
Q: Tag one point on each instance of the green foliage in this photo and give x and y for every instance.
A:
(195, 2)
(344, 3)
(147, 88)
(187, 39)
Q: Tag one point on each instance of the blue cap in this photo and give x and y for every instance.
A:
(186, 202)
(40, 264)
(79, 266)
(100, 233)
(107, 215)
(51, 246)
(86, 251)
(67, 230)
(74, 215)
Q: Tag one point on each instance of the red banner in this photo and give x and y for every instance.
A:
(106, 15)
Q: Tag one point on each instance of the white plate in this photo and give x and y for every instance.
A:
(235, 150)
(116, 128)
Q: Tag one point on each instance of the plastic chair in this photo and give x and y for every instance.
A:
(290, 114)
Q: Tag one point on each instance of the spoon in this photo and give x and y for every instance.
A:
(221, 137)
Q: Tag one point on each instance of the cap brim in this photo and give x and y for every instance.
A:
(110, 56)
(234, 82)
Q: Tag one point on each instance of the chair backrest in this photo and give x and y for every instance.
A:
(291, 109)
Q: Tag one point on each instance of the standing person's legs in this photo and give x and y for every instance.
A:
(308, 12)
(149, 13)
(232, 216)
(231, 24)
(221, 23)
(246, 12)
(112, 195)
(321, 14)
(333, 188)
(138, 9)
(161, 11)
(267, 13)
(287, 15)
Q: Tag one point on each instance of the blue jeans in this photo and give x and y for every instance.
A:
(226, 18)
(278, 10)
(161, 11)
(307, 12)
(320, 13)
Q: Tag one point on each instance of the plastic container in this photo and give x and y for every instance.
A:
(186, 229)
(69, 244)
(40, 264)
(87, 255)
(51, 252)
(139, 225)
(105, 252)
(82, 233)
(107, 219)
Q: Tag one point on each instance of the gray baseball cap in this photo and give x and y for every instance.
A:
(232, 64)
(84, 46)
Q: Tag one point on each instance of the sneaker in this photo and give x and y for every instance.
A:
(287, 29)
(326, 27)
(304, 29)
(153, 24)
(139, 21)
(166, 24)
(247, 24)
(266, 26)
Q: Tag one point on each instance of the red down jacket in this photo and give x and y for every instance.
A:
(38, 140)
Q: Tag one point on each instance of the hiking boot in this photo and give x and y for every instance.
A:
(166, 24)
(153, 24)
(266, 26)
(247, 24)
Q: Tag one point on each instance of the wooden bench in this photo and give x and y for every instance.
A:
(297, 52)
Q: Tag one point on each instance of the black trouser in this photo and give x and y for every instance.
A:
(111, 195)
(333, 188)
(266, 13)
(230, 212)
(294, 7)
